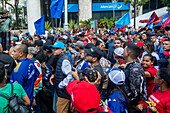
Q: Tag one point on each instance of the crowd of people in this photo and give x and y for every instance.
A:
(114, 71)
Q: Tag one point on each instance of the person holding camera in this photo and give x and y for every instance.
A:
(5, 22)
(93, 56)
(5, 29)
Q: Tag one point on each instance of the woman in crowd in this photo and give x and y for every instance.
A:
(161, 96)
(145, 37)
(5, 89)
(116, 99)
(148, 62)
(149, 49)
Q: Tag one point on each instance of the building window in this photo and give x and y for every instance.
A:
(101, 1)
(101, 15)
(73, 16)
(73, 1)
(107, 14)
(152, 5)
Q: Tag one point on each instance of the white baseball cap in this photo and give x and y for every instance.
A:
(116, 75)
(119, 51)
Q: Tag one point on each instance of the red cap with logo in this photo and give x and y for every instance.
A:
(84, 96)
(166, 53)
(162, 40)
(140, 44)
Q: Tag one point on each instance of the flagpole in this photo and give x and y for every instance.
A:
(65, 16)
(134, 13)
(60, 23)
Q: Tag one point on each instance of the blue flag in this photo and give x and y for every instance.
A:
(56, 8)
(151, 26)
(165, 17)
(40, 26)
(124, 20)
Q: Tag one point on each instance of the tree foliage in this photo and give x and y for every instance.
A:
(15, 8)
(167, 3)
(139, 3)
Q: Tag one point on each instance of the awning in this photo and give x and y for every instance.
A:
(146, 21)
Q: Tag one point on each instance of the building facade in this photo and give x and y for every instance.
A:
(84, 9)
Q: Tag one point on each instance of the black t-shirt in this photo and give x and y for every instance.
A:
(41, 56)
(52, 60)
(100, 70)
(9, 64)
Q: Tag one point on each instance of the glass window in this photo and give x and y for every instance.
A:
(73, 1)
(101, 15)
(152, 5)
(160, 4)
(101, 1)
(108, 14)
(73, 16)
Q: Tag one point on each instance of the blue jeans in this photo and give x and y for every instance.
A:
(55, 101)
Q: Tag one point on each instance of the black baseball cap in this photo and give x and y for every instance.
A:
(89, 45)
(94, 51)
(38, 43)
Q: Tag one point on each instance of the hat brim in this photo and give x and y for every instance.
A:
(88, 52)
(54, 46)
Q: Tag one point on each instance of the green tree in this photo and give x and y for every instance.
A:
(15, 8)
(139, 4)
(167, 3)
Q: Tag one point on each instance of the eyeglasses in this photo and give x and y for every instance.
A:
(55, 49)
(116, 43)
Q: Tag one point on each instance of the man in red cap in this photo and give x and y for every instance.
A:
(85, 98)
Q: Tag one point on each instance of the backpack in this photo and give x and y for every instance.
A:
(16, 104)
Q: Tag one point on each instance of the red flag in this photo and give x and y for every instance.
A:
(152, 19)
(167, 22)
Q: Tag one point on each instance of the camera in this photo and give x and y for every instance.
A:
(89, 73)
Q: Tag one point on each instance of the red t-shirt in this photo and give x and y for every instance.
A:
(162, 100)
(150, 81)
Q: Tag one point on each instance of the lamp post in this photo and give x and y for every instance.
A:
(114, 6)
(134, 13)
(65, 15)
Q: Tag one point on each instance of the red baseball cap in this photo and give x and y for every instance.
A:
(166, 53)
(86, 34)
(162, 40)
(140, 44)
(84, 96)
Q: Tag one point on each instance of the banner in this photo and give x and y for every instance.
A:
(167, 22)
(152, 19)
(40, 26)
(151, 26)
(124, 20)
(165, 17)
(56, 8)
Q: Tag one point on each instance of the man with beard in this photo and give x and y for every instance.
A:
(93, 56)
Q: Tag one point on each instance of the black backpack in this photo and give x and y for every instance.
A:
(16, 104)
